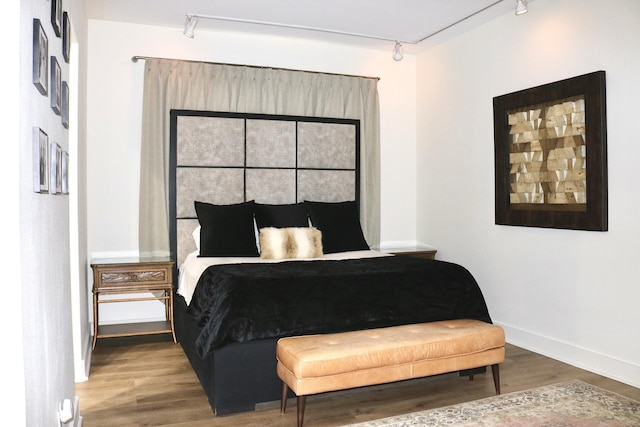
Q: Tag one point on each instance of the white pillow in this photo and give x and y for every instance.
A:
(196, 237)
(293, 242)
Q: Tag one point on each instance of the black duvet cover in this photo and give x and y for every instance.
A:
(245, 302)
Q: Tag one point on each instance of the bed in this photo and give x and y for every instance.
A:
(265, 229)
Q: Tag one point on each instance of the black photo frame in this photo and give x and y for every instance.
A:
(56, 86)
(56, 16)
(65, 105)
(66, 36)
(40, 161)
(40, 61)
(551, 155)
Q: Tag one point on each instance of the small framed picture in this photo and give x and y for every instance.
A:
(65, 172)
(66, 36)
(55, 166)
(56, 86)
(40, 57)
(65, 105)
(40, 161)
(56, 16)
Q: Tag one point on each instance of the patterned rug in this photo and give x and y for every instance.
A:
(568, 404)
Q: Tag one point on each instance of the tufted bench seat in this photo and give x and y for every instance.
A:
(313, 364)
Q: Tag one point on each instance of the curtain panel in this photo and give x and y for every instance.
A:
(174, 84)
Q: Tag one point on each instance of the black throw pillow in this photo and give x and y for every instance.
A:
(227, 230)
(281, 216)
(340, 225)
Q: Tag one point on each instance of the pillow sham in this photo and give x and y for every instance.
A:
(196, 237)
(281, 216)
(227, 230)
(340, 225)
(291, 242)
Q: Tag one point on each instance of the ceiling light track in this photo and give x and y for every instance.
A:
(192, 20)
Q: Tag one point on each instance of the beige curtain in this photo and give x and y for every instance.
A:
(173, 84)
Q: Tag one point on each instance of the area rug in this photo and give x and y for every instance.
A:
(568, 404)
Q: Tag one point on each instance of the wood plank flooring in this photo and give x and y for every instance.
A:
(148, 381)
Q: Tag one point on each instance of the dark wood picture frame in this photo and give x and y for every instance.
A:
(56, 86)
(64, 115)
(40, 58)
(66, 37)
(56, 16)
(581, 204)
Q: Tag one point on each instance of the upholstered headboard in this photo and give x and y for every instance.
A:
(226, 158)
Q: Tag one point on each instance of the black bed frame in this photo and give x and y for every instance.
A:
(245, 373)
(237, 376)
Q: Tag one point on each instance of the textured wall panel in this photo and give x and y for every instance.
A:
(326, 145)
(271, 143)
(326, 186)
(272, 186)
(211, 185)
(210, 141)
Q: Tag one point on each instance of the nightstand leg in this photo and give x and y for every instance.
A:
(173, 329)
(95, 320)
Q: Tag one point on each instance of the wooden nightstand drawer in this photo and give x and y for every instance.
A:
(125, 275)
(420, 253)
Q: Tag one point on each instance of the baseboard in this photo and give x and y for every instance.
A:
(601, 364)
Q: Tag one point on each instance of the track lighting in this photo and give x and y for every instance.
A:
(190, 23)
(398, 54)
(521, 7)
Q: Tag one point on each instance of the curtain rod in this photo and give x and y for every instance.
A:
(136, 58)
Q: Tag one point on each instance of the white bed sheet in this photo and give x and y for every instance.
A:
(193, 266)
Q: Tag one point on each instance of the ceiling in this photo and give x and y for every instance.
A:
(367, 23)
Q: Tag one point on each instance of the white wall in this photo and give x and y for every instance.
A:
(114, 118)
(39, 259)
(572, 295)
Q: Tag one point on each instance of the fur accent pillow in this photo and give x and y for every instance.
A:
(292, 242)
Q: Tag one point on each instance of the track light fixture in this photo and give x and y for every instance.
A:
(190, 23)
(398, 53)
(521, 7)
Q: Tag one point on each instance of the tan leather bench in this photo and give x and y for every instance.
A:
(313, 364)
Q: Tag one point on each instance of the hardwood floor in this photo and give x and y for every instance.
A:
(148, 381)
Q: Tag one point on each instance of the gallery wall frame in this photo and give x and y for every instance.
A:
(55, 168)
(40, 58)
(65, 105)
(65, 173)
(40, 160)
(550, 144)
(66, 36)
(56, 86)
(56, 16)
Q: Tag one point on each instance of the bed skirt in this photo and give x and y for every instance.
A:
(235, 377)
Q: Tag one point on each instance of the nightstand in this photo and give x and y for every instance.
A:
(119, 278)
(416, 252)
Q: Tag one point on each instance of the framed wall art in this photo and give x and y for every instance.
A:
(55, 168)
(66, 36)
(65, 172)
(40, 161)
(551, 155)
(56, 16)
(65, 105)
(56, 86)
(40, 58)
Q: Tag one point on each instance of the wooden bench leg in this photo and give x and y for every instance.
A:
(495, 369)
(301, 400)
(283, 399)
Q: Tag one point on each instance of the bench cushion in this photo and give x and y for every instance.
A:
(317, 363)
